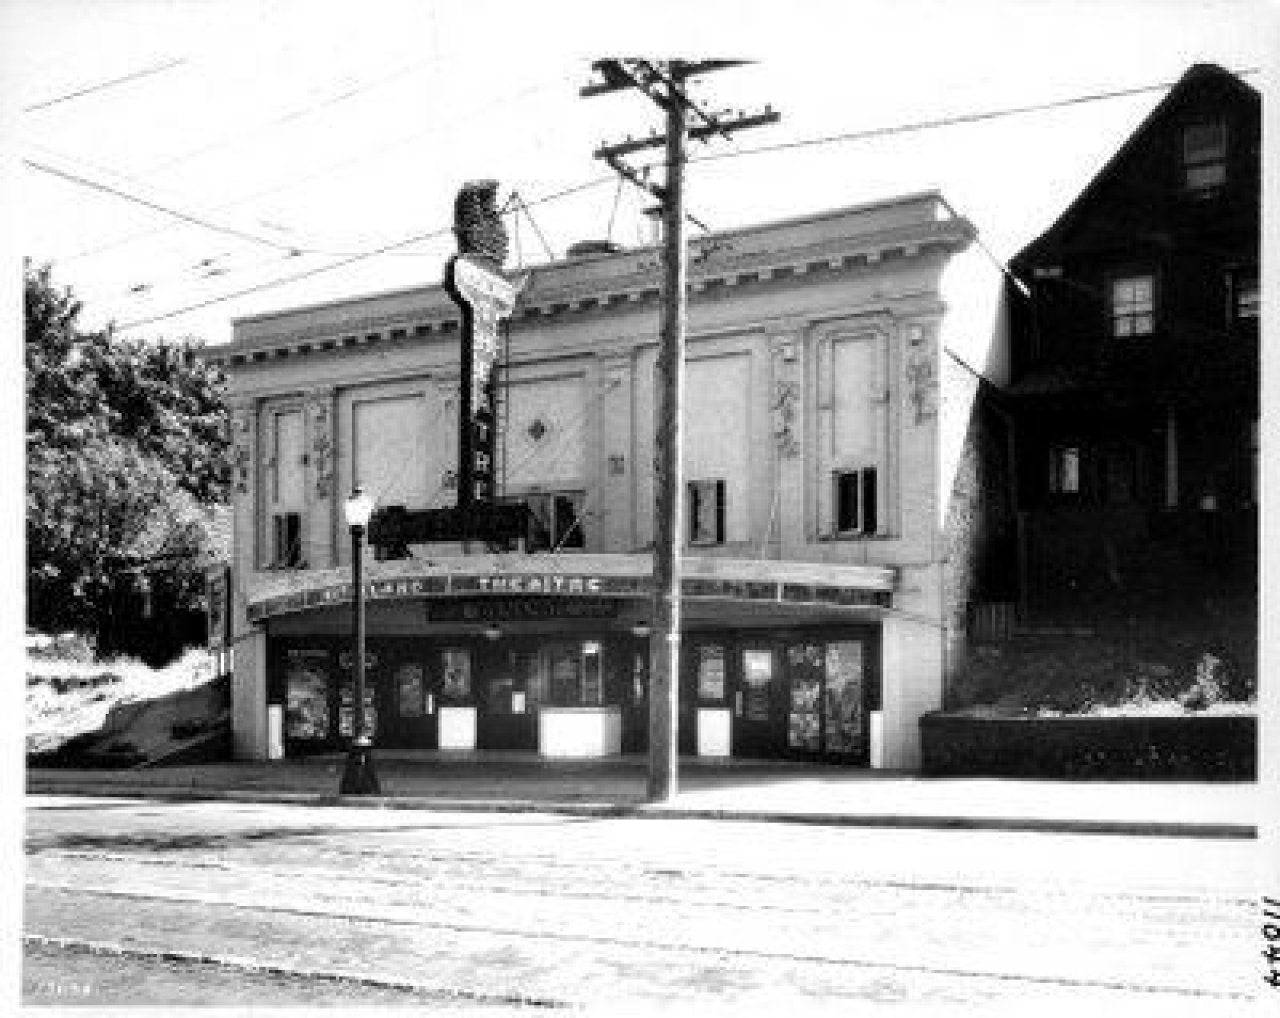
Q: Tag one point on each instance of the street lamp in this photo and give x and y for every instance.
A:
(359, 777)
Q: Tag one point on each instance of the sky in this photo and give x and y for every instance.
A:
(185, 162)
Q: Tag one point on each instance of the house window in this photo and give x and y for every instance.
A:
(1253, 462)
(1132, 306)
(706, 512)
(286, 540)
(855, 501)
(1243, 295)
(1064, 470)
(1204, 157)
(557, 520)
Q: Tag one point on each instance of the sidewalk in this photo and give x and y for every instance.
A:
(720, 790)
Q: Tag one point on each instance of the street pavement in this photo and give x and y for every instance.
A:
(728, 790)
(146, 901)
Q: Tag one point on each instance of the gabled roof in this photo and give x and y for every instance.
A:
(1196, 76)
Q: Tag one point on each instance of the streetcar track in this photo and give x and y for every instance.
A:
(721, 951)
(272, 969)
(832, 910)
(629, 870)
(453, 884)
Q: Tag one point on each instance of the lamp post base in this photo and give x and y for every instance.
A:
(359, 776)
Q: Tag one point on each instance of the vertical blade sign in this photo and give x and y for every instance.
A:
(473, 281)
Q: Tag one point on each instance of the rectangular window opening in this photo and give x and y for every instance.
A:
(1245, 298)
(1133, 306)
(557, 520)
(286, 546)
(706, 512)
(1064, 470)
(1204, 157)
(856, 501)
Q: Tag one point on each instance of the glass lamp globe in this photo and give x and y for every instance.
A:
(358, 507)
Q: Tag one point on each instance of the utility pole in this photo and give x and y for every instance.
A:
(663, 82)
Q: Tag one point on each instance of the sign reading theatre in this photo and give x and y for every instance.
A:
(472, 278)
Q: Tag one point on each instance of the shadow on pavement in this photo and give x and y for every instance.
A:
(162, 841)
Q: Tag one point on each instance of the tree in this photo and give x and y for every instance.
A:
(94, 512)
(127, 454)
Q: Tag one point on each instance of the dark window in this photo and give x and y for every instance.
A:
(1253, 462)
(1064, 470)
(855, 501)
(706, 512)
(556, 520)
(1204, 157)
(1119, 473)
(1244, 298)
(286, 548)
(1133, 306)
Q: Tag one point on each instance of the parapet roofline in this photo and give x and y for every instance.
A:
(918, 197)
(745, 257)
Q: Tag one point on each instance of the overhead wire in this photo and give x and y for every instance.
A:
(824, 140)
(617, 194)
(207, 224)
(100, 86)
(287, 116)
(297, 276)
(297, 181)
(937, 122)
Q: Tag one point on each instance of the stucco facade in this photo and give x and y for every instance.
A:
(832, 372)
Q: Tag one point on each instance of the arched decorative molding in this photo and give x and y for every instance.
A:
(877, 329)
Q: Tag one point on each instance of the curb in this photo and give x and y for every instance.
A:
(1134, 828)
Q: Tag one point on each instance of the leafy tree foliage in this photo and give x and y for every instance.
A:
(127, 454)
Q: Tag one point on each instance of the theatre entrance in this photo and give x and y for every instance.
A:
(795, 695)
(831, 690)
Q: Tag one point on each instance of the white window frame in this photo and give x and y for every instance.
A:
(1129, 316)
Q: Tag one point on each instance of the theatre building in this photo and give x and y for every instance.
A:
(832, 495)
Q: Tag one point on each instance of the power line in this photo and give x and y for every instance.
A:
(294, 114)
(96, 185)
(757, 150)
(415, 239)
(333, 167)
(925, 125)
(99, 86)
(288, 115)
(269, 284)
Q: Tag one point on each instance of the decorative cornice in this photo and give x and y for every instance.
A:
(603, 286)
